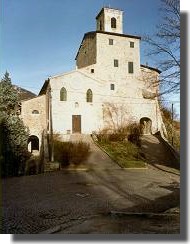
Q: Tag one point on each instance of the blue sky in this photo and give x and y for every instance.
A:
(40, 38)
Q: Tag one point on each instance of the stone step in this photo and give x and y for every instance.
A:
(48, 167)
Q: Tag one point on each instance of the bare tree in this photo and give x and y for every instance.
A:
(165, 44)
(117, 116)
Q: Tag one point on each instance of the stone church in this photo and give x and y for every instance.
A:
(109, 87)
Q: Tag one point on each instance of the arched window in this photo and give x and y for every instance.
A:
(89, 96)
(35, 112)
(63, 94)
(113, 22)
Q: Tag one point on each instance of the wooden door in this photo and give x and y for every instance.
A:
(76, 123)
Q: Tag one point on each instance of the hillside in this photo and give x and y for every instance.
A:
(23, 93)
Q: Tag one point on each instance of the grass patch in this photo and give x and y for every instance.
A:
(126, 154)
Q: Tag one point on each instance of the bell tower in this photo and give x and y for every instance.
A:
(110, 20)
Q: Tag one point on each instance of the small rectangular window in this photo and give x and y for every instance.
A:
(132, 44)
(100, 25)
(92, 71)
(130, 68)
(110, 41)
(116, 63)
(112, 86)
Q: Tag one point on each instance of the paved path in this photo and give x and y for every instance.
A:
(32, 204)
(156, 152)
(97, 158)
(84, 201)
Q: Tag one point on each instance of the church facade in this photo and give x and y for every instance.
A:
(108, 89)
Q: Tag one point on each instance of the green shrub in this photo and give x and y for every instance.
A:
(129, 132)
(134, 133)
(117, 137)
(103, 135)
(70, 152)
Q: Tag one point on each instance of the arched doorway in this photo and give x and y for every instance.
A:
(146, 126)
(33, 144)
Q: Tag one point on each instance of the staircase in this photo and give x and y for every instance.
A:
(80, 137)
(51, 166)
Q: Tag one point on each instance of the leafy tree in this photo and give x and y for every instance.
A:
(165, 44)
(8, 96)
(13, 134)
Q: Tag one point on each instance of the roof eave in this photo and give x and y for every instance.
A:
(151, 68)
(44, 87)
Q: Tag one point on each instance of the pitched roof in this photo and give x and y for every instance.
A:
(44, 88)
(47, 82)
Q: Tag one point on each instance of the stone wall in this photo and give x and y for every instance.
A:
(76, 84)
(87, 52)
(126, 103)
(34, 115)
(105, 54)
(150, 79)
